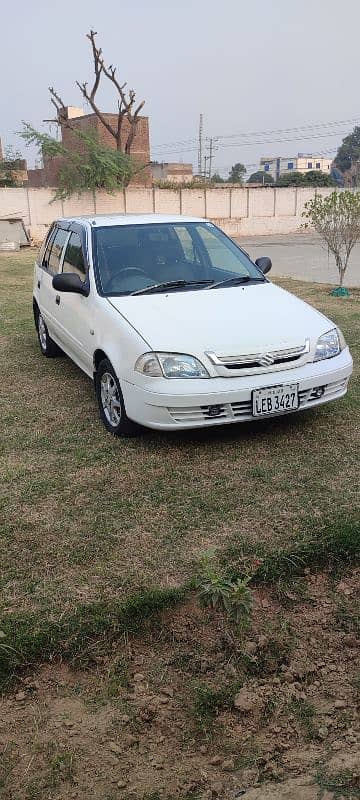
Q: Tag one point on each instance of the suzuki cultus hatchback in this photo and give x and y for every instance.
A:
(177, 327)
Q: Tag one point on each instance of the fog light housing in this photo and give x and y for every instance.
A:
(317, 393)
(213, 411)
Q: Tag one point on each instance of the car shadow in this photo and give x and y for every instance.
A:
(231, 432)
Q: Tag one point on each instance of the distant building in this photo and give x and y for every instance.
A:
(303, 162)
(171, 172)
(90, 123)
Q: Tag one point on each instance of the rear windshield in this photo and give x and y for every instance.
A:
(129, 258)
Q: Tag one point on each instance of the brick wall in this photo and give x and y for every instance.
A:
(88, 123)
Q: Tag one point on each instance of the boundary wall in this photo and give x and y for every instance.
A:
(243, 211)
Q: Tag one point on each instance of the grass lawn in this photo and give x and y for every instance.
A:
(87, 517)
(113, 692)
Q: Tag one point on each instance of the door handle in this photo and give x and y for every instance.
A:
(57, 299)
(38, 284)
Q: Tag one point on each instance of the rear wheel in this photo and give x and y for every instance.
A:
(111, 401)
(47, 345)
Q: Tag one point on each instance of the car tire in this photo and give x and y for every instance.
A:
(47, 345)
(111, 401)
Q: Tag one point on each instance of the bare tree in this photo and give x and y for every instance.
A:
(126, 104)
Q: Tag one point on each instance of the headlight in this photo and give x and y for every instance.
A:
(171, 365)
(329, 345)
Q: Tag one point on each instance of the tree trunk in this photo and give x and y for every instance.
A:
(340, 268)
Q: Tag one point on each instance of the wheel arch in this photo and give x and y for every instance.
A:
(99, 356)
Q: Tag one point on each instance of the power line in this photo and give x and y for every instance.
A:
(298, 128)
(290, 130)
(263, 141)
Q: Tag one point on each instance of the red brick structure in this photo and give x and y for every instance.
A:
(140, 148)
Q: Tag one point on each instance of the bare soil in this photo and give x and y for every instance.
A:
(143, 722)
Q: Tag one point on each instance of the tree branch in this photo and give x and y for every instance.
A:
(96, 110)
(125, 103)
(97, 62)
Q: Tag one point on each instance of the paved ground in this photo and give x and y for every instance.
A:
(301, 255)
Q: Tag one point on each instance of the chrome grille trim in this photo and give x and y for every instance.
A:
(254, 359)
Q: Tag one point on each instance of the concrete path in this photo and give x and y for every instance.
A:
(301, 256)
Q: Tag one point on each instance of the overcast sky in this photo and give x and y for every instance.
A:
(247, 66)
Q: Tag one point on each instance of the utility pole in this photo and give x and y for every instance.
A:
(209, 158)
(200, 147)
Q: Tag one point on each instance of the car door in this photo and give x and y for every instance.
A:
(50, 266)
(74, 311)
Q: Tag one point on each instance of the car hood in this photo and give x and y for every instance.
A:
(228, 321)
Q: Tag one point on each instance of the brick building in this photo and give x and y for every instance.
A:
(173, 172)
(88, 123)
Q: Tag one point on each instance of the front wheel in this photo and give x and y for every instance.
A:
(111, 401)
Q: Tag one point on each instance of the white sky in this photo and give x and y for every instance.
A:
(247, 66)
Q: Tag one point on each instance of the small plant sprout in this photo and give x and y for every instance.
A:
(232, 596)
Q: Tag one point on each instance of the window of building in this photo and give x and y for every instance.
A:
(290, 165)
(73, 258)
(318, 165)
(57, 246)
(266, 167)
(309, 166)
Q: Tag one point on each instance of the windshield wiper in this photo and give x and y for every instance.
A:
(237, 279)
(168, 285)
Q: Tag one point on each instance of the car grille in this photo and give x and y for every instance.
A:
(228, 412)
(256, 360)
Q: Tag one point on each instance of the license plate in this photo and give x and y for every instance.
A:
(275, 400)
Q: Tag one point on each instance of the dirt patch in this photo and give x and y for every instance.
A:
(199, 708)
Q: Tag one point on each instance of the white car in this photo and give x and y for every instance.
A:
(177, 327)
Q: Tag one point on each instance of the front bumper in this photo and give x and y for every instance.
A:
(186, 403)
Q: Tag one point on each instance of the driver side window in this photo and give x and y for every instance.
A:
(73, 258)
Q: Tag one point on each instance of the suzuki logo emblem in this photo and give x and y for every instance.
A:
(266, 360)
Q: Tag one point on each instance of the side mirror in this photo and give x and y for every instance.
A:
(264, 263)
(69, 282)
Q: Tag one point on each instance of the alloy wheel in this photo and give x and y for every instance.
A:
(42, 332)
(110, 399)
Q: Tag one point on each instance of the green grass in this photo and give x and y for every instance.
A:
(77, 637)
(304, 712)
(333, 544)
(347, 616)
(342, 785)
(84, 632)
(208, 701)
(88, 521)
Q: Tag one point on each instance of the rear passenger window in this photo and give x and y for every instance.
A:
(56, 250)
(73, 258)
(46, 247)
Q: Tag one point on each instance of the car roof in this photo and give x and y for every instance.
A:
(100, 220)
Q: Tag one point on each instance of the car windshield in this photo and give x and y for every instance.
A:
(175, 256)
